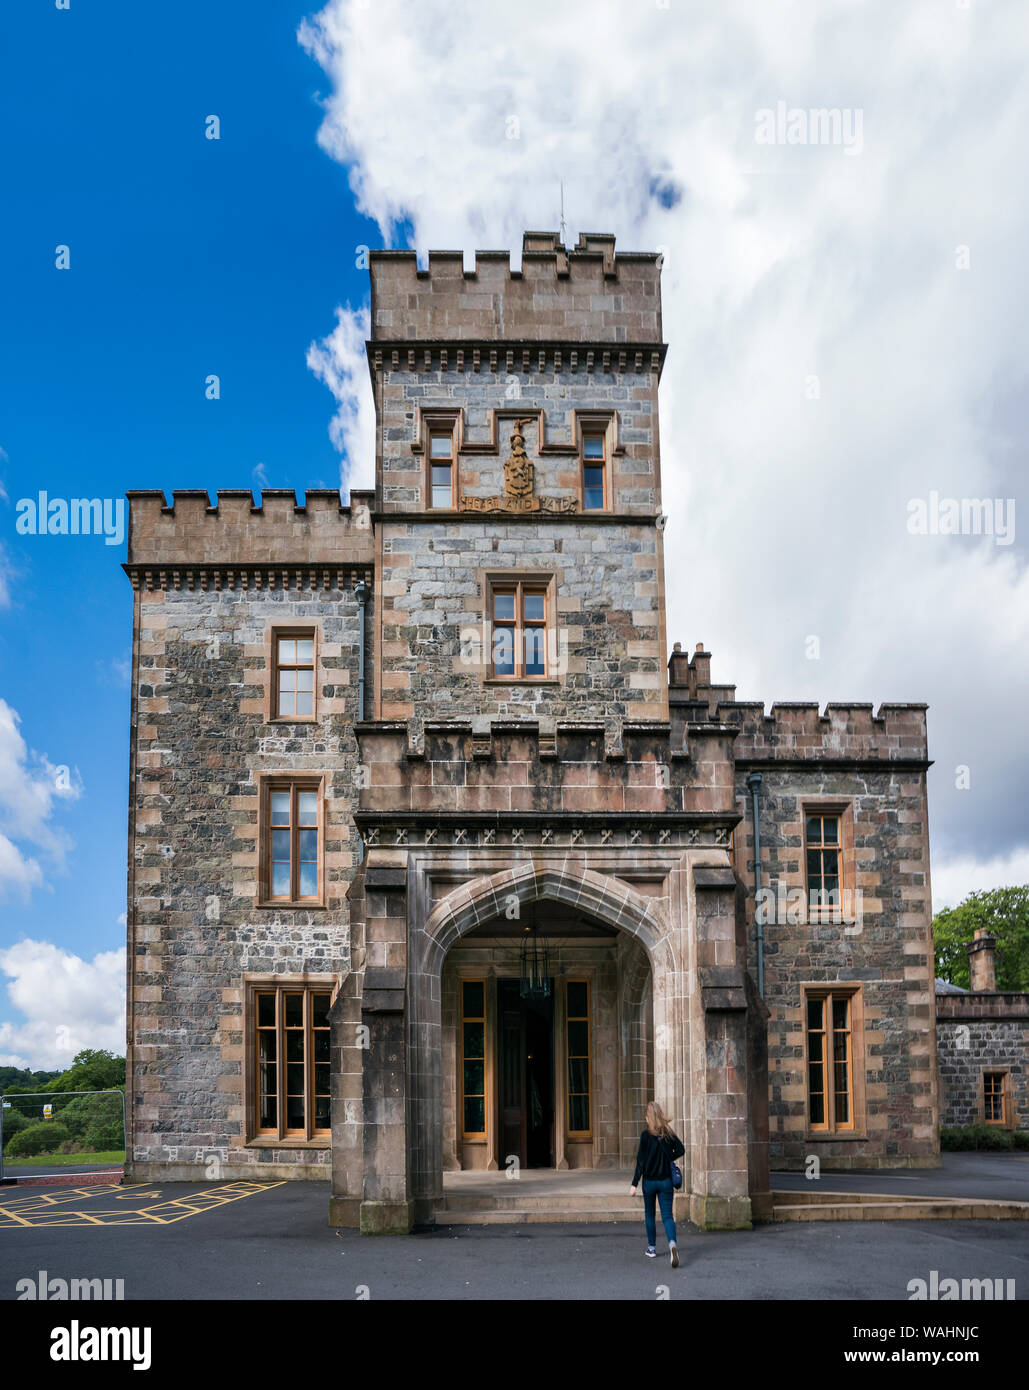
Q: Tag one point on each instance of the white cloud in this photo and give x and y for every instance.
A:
(68, 1003)
(783, 263)
(30, 789)
(954, 878)
(339, 360)
(260, 477)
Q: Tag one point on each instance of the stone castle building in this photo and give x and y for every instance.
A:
(438, 861)
(983, 1036)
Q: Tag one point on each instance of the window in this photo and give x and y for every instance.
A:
(594, 470)
(293, 683)
(578, 1040)
(995, 1107)
(441, 468)
(291, 834)
(290, 1042)
(473, 1058)
(822, 849)
(830, 1059)
(519, 616)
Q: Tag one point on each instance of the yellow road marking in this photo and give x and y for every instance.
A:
(51, 1209)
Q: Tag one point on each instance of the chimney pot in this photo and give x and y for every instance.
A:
(982, 962)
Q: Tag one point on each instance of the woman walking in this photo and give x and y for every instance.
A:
(659, 1147)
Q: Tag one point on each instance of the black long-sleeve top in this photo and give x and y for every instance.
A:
(654, 1156)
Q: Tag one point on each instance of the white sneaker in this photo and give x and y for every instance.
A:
(651, 1253)
(673, 1254)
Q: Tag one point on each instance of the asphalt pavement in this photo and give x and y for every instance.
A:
(234, 1241)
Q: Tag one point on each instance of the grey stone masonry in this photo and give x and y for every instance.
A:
(568, 345)
(586, 294)
(210, 585)
(978, 1033)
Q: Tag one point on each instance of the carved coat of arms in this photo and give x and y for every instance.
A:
(519, 480)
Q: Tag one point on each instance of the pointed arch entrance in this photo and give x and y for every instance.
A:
(559, 1081)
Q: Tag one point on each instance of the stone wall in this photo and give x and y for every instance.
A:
(870, 767)
(202, 739)
(587, 294)
(446, 342)
(977, 1033)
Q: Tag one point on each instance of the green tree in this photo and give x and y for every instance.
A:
(1004, 912)
(14, 1123)
(84, 1115)
(91, 1070)
(37, 1139)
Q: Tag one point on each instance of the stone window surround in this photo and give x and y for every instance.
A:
(487, 580)
(597, 422)
(279, 781)
(253, 984)
(432, 419)
(312, 630)
(844, 808)
(1006, 1091)
(439, 420)
(858, 1128)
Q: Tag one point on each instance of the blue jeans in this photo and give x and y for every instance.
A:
(662, 1192)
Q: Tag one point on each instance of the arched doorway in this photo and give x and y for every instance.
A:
(547, 1042)
(499, 1075)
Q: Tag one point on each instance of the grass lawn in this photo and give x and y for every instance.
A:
(50, 1160)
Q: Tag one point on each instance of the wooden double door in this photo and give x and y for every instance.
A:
(525, 1065)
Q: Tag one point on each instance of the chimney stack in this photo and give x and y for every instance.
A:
(981, 964)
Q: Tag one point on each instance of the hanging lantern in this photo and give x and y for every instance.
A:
(535, 966)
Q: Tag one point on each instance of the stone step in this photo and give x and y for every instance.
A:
(523, 1201)
(864, 1207)
(539, 1215)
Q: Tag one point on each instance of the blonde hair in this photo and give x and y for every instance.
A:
(656, 1122)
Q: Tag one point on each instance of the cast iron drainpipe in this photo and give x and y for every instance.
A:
(754, 783)
(361, 594)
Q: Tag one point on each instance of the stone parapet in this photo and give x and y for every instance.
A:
(239, 531)
(509, 768)
(585, 294)
(1002, 1004)
(799, 732)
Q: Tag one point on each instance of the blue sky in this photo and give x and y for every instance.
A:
(846, 329)
(188, 256)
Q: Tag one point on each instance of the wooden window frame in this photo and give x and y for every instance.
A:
(843, 811)
(604, 464)
(476, 1135)
(605, 424)
(302, 633)
(578, 1134)
(1006, 1109)
(446, 422)
(280, 985)
(830, 1128)
(294, 783)
(519, 584)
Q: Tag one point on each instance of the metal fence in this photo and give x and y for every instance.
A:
(43, 1124)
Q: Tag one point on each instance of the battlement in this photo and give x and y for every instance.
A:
(277, 529)
(795, 731)
(997, 1004)
(588, 294)
(510, 767)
